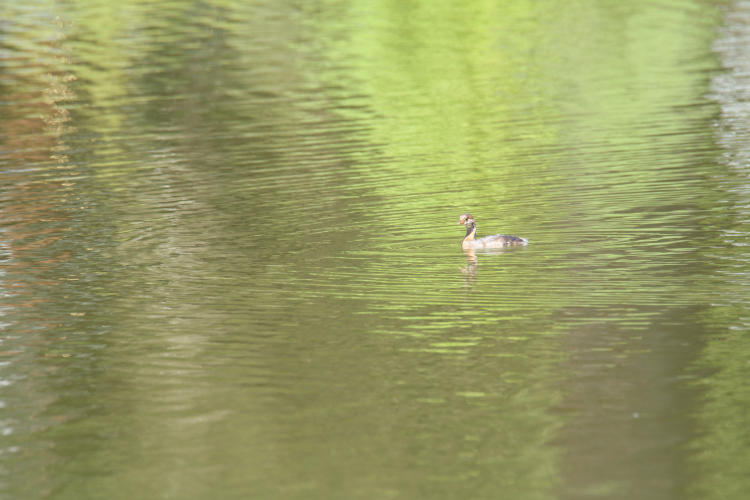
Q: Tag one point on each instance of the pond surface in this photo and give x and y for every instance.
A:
(230, 265)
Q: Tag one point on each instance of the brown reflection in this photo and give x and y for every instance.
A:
(37, 181)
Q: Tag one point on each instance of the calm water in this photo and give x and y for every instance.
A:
(230, 265)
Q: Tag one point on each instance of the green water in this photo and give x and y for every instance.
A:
(230, 266)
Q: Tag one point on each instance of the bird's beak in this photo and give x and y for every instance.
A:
(459, 222)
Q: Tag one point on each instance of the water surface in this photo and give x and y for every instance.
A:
(231, 266)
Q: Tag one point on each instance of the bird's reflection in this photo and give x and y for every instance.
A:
(472, 262)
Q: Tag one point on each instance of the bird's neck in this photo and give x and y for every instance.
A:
(471, 232)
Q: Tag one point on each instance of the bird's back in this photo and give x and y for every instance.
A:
(499, 241)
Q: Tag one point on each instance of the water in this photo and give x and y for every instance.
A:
(231, 265)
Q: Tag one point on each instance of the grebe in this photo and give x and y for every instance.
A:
(494, 241)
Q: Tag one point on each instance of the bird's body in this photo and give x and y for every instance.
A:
(494, 241)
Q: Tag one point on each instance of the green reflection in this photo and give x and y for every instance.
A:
(720, 456)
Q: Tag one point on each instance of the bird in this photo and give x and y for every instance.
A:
(470, 241)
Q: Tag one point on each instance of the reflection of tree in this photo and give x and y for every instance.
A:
(38, 183)
(38, 179)
(720, 457)
(198, 184)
